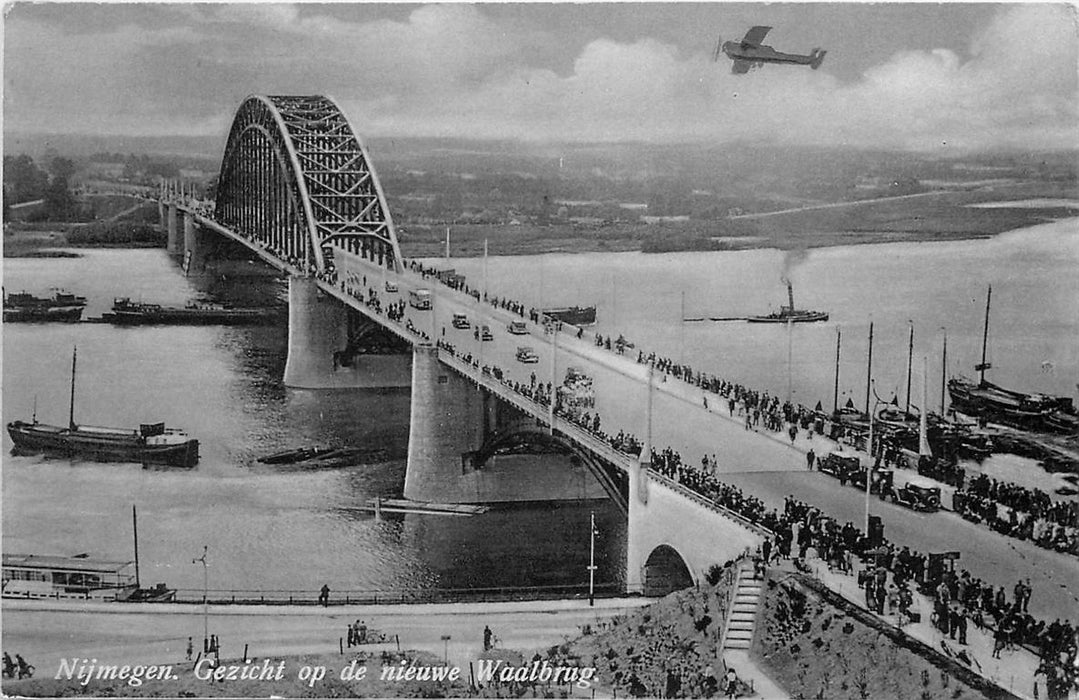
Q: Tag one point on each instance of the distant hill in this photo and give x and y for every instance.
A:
(83, 145)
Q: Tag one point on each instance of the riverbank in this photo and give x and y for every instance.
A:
(927, 217)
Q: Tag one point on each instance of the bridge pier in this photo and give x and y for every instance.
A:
(174, 240)
(317, 340)
(446, 421)
(450, 420)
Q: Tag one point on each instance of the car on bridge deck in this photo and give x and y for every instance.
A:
(460, 321)
(517, 328)
(485, 333)
(420, 299)
(527, 355)
(391, 287)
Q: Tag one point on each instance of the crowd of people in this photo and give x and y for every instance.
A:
(1016, 511)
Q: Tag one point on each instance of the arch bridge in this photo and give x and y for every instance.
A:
(298, 188)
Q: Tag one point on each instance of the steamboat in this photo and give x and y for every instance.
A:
(789, 314)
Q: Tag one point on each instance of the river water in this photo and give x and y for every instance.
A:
(275, 528)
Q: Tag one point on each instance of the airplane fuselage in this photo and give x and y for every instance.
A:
(764, 54)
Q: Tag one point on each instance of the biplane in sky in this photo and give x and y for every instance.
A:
(750, 53)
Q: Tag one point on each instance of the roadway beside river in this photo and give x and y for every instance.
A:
(44, 632)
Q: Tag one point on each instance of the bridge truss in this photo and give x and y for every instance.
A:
(296, 179)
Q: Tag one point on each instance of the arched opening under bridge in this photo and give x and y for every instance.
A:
(665, 571)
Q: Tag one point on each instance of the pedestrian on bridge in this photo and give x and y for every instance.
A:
(811, 459)
(324, 595)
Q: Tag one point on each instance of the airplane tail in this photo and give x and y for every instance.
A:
(818, 58)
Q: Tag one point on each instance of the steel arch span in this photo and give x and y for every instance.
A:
(296, 179)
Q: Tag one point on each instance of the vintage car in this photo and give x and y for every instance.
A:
(461, 321)
(527, 355)
(922, 496)
(882, 480)
(841, 466)
(517, 328)
(485, 333)
(391, 287)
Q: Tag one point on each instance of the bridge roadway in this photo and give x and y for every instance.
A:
(762, 464)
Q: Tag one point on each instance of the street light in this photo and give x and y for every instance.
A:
(592, 561)
(205, 600)
(872, 457)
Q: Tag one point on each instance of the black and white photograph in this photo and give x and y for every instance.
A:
(540, 350)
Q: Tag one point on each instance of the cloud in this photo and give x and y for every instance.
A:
(452, 69)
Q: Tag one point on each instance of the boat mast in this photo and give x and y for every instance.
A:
(71, 408)
(943, 372)
(135, 531)
(910, 361)
(869, 371)
(835, 392)
(923, 419)
(985, 340)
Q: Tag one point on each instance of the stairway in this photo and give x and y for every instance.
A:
(743, 613)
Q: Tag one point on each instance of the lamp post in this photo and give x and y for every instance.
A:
(872, 458)
(592, 561)
(205, 600)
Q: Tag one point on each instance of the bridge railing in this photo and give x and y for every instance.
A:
(708, 503)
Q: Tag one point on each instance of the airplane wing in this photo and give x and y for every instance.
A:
(755, 35)
(740, 67)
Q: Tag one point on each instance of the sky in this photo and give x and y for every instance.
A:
(920, 76)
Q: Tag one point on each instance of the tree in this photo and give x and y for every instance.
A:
(23, 180)
(59, 202)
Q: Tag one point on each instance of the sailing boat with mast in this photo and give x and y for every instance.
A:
(988, 401)
(152, 443)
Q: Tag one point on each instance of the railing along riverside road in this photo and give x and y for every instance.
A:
(402, 597)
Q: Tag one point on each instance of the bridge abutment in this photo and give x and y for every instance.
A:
(672, 540)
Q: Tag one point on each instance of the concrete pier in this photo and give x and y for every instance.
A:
(171, 225)
(317, 331)
(446, 421)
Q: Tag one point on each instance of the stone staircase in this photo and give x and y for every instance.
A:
(741, 619)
